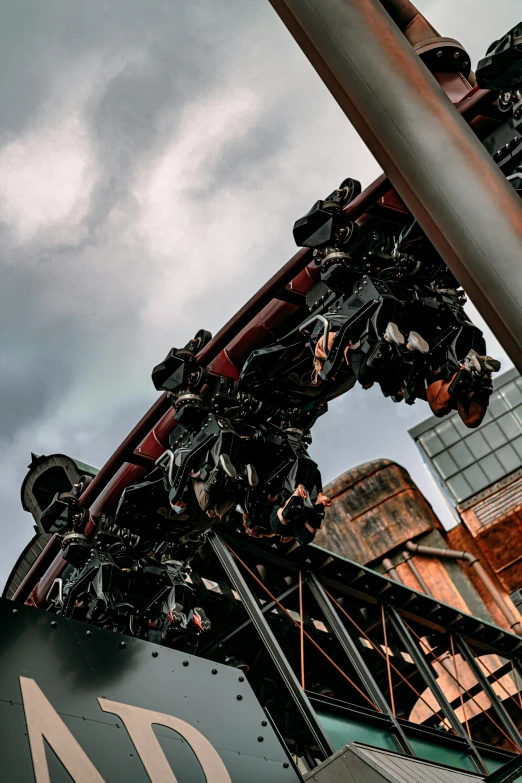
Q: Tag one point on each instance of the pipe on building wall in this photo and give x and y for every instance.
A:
(473, 562)
(389, 569)
(411, 565)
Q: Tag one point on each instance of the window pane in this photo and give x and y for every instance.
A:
(461, 455)
(518, 413)
(492, 468)
(510, 426)
(488, 417)
(447, 433)
(518, 446)
(476, 478)
(512, 394)
(445, 465)
(477, 444)
(494, 435)
(508, 458)
(459, 488)
(431, 443)
(459, 425)
(497, 404)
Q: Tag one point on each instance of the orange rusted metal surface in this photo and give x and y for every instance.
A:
(493, 520)
(437, 577)
(460, 538)
(501, 543)
(377, 507)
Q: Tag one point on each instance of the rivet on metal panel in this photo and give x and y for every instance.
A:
(53, 623)
(185, 663)
(154, 653)
(214, 671)
(88, 633)
(123, 644)
(239, 698)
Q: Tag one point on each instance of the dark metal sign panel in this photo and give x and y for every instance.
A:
(90, 706)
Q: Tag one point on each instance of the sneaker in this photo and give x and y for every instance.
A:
(227, 467)
(417, 343)
(200, 619)
(252, 477)
(481, 364)
(393, 334)
(176, 615)
(461, 384)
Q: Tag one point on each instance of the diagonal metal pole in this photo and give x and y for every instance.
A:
(502, 714)
(272, 647)
(507, 773)
(431, 681)
(227, 635)
(354, 656)
(432, 158)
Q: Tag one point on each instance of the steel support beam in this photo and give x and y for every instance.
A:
(517, 673)
(225, 637)
(502, 715)
(432, 158)
(351, 651)
(429, 678)
(508, 773)
(272, 647)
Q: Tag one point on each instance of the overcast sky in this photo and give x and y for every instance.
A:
(153, 159)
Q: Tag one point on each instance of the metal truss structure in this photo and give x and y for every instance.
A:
(337, 652)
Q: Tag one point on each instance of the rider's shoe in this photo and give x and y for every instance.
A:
(461, 383)
(417, 343)
(484, 365)
(226, 465)
(251, 476)
(393, 334)
(177, 616)
(200, 620)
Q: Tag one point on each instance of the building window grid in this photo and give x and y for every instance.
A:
(471, 460)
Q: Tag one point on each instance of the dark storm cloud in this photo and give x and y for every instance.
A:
(38, 40)
(36, 359)
(70, 303)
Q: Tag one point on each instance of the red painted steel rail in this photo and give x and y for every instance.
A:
(262, 319)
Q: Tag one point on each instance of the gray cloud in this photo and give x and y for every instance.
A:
(153, 158)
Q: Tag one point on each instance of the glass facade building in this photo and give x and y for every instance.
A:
(465, 462)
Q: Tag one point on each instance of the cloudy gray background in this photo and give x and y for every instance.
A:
(153, 159)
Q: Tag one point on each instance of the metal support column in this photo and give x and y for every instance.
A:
(444, 175)
(272, 647)
(503, 716)
(431, 681)
(354, 656)
(517, 673)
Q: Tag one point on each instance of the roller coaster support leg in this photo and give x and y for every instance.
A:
(446, 178)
